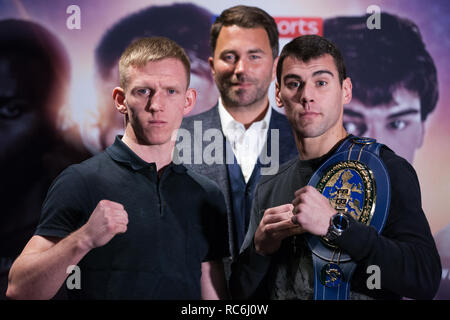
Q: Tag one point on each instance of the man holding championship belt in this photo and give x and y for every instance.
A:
(342, 221)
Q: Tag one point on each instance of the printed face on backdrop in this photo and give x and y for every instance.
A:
(21, 109)
(397, 124)
(243, 65)
(312, 96)
(156, 99)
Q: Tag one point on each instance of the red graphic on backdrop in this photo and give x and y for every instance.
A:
(292, 27)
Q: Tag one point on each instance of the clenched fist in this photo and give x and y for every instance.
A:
(312, 210)
(108, 219)
(275, 225)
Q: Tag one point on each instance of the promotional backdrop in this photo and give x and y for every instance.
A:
(50, 119)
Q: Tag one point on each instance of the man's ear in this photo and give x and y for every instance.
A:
(191, 97)
(347, 90)
(277, 95)
(119, 100)
(274, 68)
(211, 65)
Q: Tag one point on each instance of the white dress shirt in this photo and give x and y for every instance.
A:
(246, 144)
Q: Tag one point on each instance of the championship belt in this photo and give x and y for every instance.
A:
(356, 183)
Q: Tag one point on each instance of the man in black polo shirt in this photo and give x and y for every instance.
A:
(137, 225)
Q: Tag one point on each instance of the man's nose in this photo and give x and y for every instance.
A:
(306, 94)
(156, 102)
(376, 130)
(240, 67)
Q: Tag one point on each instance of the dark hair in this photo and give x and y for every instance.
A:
(380, 61)
(185, 23)
(309, 47)
(246, 17)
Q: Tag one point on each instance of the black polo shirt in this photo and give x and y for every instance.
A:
(176, 222)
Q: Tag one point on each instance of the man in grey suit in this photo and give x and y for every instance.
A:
(241, 138)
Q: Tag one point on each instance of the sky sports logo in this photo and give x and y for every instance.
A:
(292, 27)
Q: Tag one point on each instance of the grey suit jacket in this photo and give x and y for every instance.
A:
(218, 172)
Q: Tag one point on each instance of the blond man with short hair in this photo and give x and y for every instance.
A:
(130, 222)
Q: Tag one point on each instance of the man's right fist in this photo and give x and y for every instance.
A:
(108, 219)
(275, 225)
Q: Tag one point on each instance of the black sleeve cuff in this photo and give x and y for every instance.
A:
(357, 240)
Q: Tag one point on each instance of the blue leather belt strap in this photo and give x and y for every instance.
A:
(340, 292)
(361, 150)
